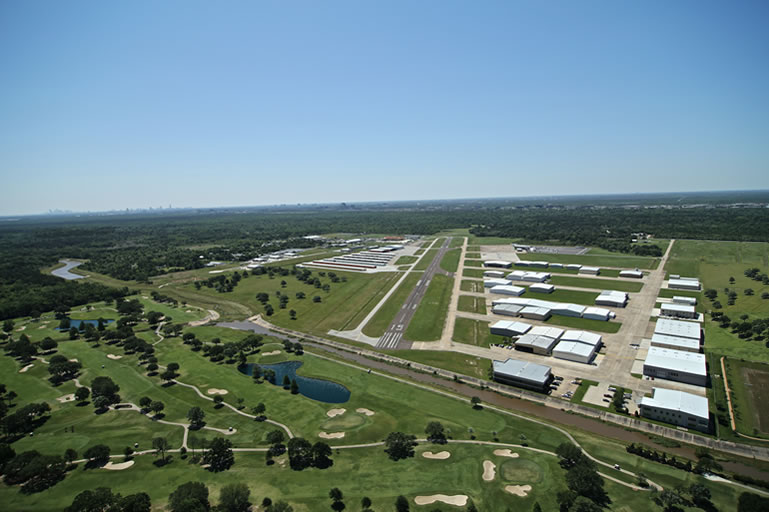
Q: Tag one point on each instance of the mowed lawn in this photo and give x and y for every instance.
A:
(427, 322)
(474, 332)
(596, 260)
(472, 304)
(345, 302)
(471, 285)
(597, 284)
(450, 260)
(560, 295)
(382, 318)
(749, 383)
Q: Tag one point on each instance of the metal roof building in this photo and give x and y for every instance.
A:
(489, 283)
(677, 328)
(494, 273)
(506, 289)
(509, 328)
(521, 275)
(597, 314)
(590, 270)
(612, 298)
(524, 374)
(498, 264)
(637, 274)
(588, 338)
(574, 351)
(550, 332)
(541, 288)
(676, 407)
(678, 299)
(675, 343)
(688, 367)
(678, 310)
(535, 343)
(573, 266)
(684, 283)
(565, 309)
(535, 313)
(506, 309)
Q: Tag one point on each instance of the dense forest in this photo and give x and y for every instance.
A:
(136, 247)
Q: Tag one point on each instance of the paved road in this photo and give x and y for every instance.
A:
(393, 336)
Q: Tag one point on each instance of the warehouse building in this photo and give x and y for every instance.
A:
(506, 309)
(542, 288)
(542, 345)
(565, 309)
(490, 283)
(637, 274)
(675, 343)
(509, 328)
(612, 298)
(590, 270)
(684, 283)
(574, 351)
(676, 407)
(573, 266)
(690, 301)
(535, 313)
(677, 365)
(588, 338)
(678, 328)
(597, 314)
(550, 332)
(497, 264)
(498, 274)
(556, 265)
(678, 310)
(506, 289)
(539, 264)
(523, 374)
(520, 275)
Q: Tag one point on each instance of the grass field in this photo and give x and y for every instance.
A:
(472, 255)
(452, 361)
(584, 323)
(450, 260)
(749, 383)
(474, 332)
(597, 284)
(598, 260)
(379, 322)
(473, 263)
(406, 260)
(472, 272)
(426, 259)
(427, 322)
(472, 304)
(574, 296)
(456, 241)
(471, 285)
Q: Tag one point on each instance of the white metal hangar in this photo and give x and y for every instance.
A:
(678, 365)
(498, 264)
(684, 283)
(523, 374)
(509, 328)
(636, 274)
(678, 310)
(612, 298)
(574, 351)
(676, 407)
(504, 289)
(590, 270)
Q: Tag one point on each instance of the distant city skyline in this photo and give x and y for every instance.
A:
(108, 106)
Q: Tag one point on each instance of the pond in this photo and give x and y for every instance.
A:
(316, 389)
(76, 324)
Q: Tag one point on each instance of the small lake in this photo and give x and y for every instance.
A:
(316, 389)
(64, 272)
(76, 323)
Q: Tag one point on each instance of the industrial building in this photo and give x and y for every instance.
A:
(574, 351)
(684, 283)
(498, 274)
(597, 314)
(690, 301)
(538, 264)
(676, 407)
(678, 365)
(585, 337)
(590, 270)
(675, 343)
(678, 310)
(566, 309)
(535, 313)
(637, 274)
(498, 264)
(523, 374)
(556, 265)
(542, 288)
(542, 345)
(490, 283)
(506, 309)
(678, 328)
(506, 289)
(509, 328)
(573, 266)
(612, 298)
(532, 277)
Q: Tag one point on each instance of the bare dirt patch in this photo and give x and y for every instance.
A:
(459, 500)
(66, 398)
(117, 466)
(26, 368)
(335, 412)
(113, 356)
(331, 435)
(215, 391)
(489, 470)
(756, 383)
(506, 453)
(363, 410)
(518, 490)
(440, 455)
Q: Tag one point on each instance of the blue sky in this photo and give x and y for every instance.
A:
(113, 105)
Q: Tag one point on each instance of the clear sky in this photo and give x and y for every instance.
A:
(112, 105)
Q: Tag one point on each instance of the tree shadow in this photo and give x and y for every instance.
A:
(168, 384)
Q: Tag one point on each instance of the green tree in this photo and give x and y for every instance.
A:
(219, 455)
(70, 455)
(584, 480)
(82, 394)
(190, 497)
(160, 444)
(106, 387)
(321, 453)
(196, 417)
(145, 402)
(258, 410)
(435, 433)
(365, 503)
(299, 453)
(234, 498)
(157, 406)
(98, 455)
(583, 504)
(401, 504)
(669, 500)
(476, 402)
(570, 454)
(286, 382)
(399, 445)
(294, 387)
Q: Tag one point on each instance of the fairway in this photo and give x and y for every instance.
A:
(597, 284)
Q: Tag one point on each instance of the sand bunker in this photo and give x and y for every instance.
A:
(21, 328)
(489, 470)
(518, 490)
(73, 360)
(66, 398)
(439, 455)
(331, 435)
(117, 466)
(23, 370)
(215, 391)
(113, 356)
(273, 353)
(459, 500)
(335, 412)
(363, 410)
(506, 453)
